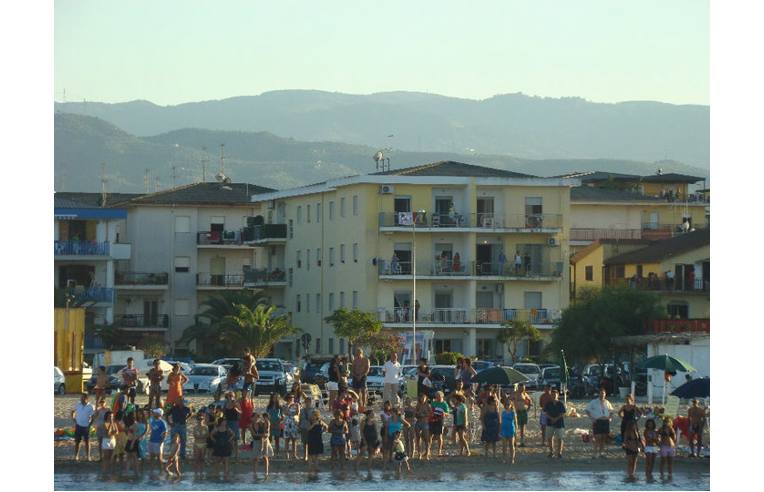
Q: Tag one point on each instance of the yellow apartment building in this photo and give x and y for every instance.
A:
(490, 246)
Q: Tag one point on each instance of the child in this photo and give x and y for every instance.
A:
(305, 425)
(422, 426)
(667, 445)
(355, 434)
(651, 446)
(109, 440)
(399, 452)
(261, 444)
(223, 440)
(508, 430)
(338, 428)
(315, 440)
(121, 439)
(172, 466)
(158, 434)
(370, 436)
(276, 416)
(439, 411)
(461, 424)
(291, 412)
(99, 423)
(201, 435)
(132, 445)
(394, 426)
(409, 435)
(632, 444)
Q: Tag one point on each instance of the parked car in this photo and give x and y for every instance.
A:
(59, 386)
(443, 379)
(114, 380)
(533, 371)
(273, 377)
(293, 371)
(205, 377)
(482, 365)
(375, 381)
(551, 375)
(185, 367)
(310, 370)
(408, 371)
(228, 362)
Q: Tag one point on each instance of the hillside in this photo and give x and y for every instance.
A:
(510, 124)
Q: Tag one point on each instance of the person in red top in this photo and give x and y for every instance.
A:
(343, 403)
(130, 378)
(245, 419)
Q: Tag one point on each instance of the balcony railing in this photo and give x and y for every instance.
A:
(449, 268)
(141, 321)
(488, 221)
(232, 238)
(81, 248)
(270, 231)
(661, 283)
(139, 278)
(581, 234)
(95, 294)
(264, 276)
(469, 316)
(220, 280)
(681, 325)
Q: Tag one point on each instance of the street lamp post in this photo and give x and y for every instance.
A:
(414, 216)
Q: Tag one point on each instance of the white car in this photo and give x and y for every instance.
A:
(59, 386)
(205, 377)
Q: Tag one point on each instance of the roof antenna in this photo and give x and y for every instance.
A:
(222, 165)
(204, 164)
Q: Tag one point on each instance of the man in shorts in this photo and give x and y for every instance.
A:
(130, 379)
(697, 417)
(155, 376)
(360, 370)
(157, 435)
(522, 403)
(545, 398)
(250, 371)
(600, 411)
(83, 417)
(555, 415)
(392, 371)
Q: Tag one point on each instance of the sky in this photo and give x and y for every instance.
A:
(171, 51)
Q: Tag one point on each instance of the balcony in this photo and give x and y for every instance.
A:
(140, 322)
(661, 284)
(220, 281)
(269, 233)
(472, 270)
(94, 295)
(476, 222)
(462, 316)
(132, 280)
(582, 234)
(681, 325)
(220, 239)
(264, 277)
(81, 248)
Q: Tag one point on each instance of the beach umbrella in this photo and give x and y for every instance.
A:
(503, 376)
(696, 388)
(669, 365)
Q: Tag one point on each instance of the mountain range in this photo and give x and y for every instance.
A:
(514, 125)
(82, 144)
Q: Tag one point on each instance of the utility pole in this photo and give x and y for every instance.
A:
(222, 165)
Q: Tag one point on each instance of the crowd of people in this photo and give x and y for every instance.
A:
(131, 437)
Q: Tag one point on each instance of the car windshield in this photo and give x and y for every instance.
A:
(526, 369)
(375, 371)
(204, 371)
(113, 369)
(552, 372)
(268, 365)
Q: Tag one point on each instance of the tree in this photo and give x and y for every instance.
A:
(586, 329)
(355, 325)
(382, 344)
(257, 329)
(514, 332)
(153, 347)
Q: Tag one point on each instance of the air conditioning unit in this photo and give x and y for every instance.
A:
(553, 242)
(386, 189)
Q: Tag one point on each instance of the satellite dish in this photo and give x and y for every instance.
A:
(378, 156)
(222, 178)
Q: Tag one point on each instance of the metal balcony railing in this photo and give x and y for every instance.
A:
(95, 294)
(264, 276)
(219, 238)
(220, 280)
(81, 248)
(483, 220)
(449, 268)
(583, 234)
(141, 321)
(270, 231)
(469, 316)
(661, 283)
(139, 278)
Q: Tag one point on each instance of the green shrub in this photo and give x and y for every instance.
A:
(447, 358)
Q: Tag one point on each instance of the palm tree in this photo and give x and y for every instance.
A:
(257, 329)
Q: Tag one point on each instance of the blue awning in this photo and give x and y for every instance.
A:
(89, 213)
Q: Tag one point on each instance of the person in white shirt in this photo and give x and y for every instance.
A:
(392, 371)
(83, 417)
(600, 411)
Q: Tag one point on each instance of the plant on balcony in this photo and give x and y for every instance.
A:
(357, 326)
(513, 333)
(257, 329)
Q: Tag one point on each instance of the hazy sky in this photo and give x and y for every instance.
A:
(173, 51)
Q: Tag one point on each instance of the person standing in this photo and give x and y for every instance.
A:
(518, 262)
(175, 381)
(130, 379)
(333, 384)
(361, 367)
(632, 445)
(502, 262)
(697, 417)
(83, 416)
(527, 263)
(555, 413)
(523, 403)
(155, 376)
(467, 373)
(177, 418)
(422, 373)
(491, 419)
(102, 381)
(600, 411)
(392, 371)
(508, 429)
(157, 436)
(438, 415)
(250, 371)
(545, 398)
(627, 412)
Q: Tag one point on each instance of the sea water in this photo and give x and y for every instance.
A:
(385, 480)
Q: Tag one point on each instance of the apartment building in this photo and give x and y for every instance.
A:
(88, 243)
(490, 245)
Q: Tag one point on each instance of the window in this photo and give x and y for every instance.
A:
(299, 214)
(589, 273)
(342, 253)
(299, 258)
(318, 345)
(307, 213)
(217, 223)
(678, 310)
(533, 211)
(342, 206)
(331, 345)
(355, 204)
(307, 259)
(291, 277)
(331, 302)
(355, 299)
(331, 257)
(318, 256)
(182, 264)
(318, 212)
(182, 223)
(182, 307)
(342, 345)
(442, 346)
(532, 300)
(355, 252)
(299, 304)
(331, 210)
(342, 298)
(291, 229)
(307, 303)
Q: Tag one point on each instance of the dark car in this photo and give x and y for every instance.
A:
(482, 365)
(311, 372)
(443, 379)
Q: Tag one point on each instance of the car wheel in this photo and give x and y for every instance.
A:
(61, 389)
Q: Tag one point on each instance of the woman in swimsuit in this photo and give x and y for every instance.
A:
(652, 443)
(261, 444)
(109, 441)
(508, 430)
(223, 442)
(132, 445)
(369, 436)
(629, 411)
(632, 444)
(315, 440)
(232, 413)
(667, 445)
(305, 425)
(423, 411)
(489, 414)
(338, 428)
(276, 416)
(201, 435)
